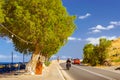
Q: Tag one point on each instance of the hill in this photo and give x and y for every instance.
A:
(114, 52)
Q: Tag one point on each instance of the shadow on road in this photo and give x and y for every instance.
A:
(118, 68)
(63, 69)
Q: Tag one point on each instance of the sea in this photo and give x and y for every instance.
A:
(7, 63)
(6, 67)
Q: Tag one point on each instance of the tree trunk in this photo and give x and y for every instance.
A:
(31, 66)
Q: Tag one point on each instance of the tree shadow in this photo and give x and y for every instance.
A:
(63, 68)
(118, 68)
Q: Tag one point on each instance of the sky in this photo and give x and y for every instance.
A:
(95, 19)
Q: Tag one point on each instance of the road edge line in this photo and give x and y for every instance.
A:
(63, 78)
(108, 70)
(65, 75)
(109, 78)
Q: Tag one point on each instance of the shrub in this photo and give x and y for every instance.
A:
(47, 63)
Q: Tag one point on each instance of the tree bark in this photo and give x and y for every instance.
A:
(31, 65)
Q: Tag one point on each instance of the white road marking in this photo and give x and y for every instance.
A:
(109, 70)
(60, 74)
(109, 78)
(64, 74)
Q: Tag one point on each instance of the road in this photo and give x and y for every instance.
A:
(79, 72)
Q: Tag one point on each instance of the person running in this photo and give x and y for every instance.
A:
(58, 58)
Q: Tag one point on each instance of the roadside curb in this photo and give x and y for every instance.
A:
(116, 71)
(60, 73)
(64, 74)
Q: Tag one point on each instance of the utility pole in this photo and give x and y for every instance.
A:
(23, 58)
(12, 57)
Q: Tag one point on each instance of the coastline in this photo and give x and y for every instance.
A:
(49, 73)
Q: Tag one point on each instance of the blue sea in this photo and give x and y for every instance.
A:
(9, 66)
(6, 63)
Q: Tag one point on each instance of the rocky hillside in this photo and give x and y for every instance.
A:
(114, 51)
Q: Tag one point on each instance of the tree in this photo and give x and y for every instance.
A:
(1, 12)
(96, 54)
(39, 27)
(103, 49)
(88, 53)
(95, 61)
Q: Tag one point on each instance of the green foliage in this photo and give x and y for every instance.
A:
(42, 25)
(95, 55)
(47, 63)
(88, 52)
(103, 46)
(116, 60)
(1, 11)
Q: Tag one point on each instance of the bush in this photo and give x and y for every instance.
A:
(47, 63)
(116, 60)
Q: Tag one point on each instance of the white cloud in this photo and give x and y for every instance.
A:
(74, 39)
(85, 16)
(109, 37)
(65, 57)
(99, 28)
(79, 39)
(71, 38)
(93, 40)
(3, 57)
(116, 23)
(96, 40)
(16, 56)
(61, 57)
(9, 41)
(110, 27)
(8, 56)
(96, 31)
(54, 57)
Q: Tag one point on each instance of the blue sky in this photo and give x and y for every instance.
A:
(94, 19)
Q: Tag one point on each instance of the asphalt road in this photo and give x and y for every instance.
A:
(79, 72)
